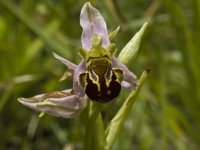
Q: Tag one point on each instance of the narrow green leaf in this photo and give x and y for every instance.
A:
(115, 124)
(128, 53)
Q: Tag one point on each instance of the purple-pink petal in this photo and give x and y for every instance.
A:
(130, 80)
(67, 63)
(58, 103)
(93, 24)
(77, 89)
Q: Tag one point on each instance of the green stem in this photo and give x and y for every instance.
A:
(94, 128)
(100, 138)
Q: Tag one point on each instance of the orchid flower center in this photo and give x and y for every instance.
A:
(101, 81)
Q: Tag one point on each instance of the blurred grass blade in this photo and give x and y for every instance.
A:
(128, 53)
(5, 96)
(36, 45)
(34, 27)
(190, 54)
(115, 124)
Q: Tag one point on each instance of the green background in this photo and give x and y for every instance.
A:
(166, 114)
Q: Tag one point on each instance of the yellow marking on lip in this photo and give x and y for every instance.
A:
(95, 82)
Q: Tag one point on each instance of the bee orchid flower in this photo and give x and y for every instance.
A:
(99, 76)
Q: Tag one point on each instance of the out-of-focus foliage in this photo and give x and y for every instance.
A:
(166, 113)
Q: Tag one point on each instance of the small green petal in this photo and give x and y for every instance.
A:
(114, 33)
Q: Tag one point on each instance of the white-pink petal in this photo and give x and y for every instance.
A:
(60, 104)
(93, 24)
